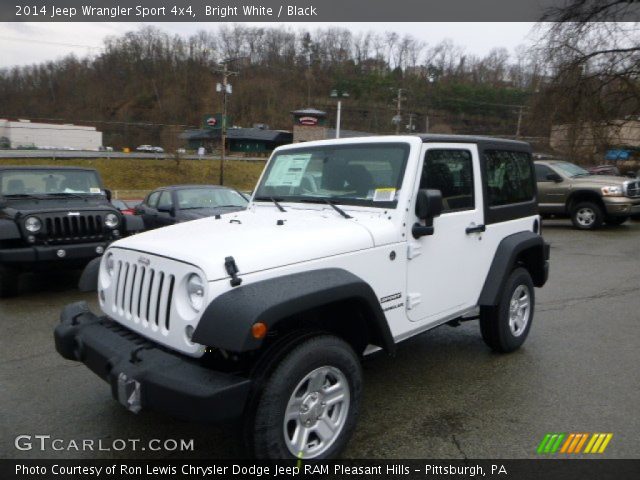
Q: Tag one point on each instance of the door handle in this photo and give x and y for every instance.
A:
(475, 229)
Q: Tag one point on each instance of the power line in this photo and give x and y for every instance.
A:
(48, 42)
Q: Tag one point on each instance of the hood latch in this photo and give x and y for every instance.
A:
(232, 269)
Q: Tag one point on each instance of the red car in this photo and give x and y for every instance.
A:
(604, 170)
(124, 207)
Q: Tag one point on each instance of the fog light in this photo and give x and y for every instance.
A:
(31, 239)
(116, 233)
(61, 253)
(99, 250)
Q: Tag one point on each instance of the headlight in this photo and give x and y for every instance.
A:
(109, 264)
(612, 191)
(111, 220)
(33, 224)
(195, 291)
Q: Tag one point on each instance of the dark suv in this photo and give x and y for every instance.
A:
(52, 217)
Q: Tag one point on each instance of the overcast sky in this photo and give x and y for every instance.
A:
(28, 43)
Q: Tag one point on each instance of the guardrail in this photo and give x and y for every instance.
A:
(59, 154)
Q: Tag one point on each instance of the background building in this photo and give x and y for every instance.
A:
(27, 134)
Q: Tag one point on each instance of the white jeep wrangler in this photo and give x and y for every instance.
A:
(348, 246)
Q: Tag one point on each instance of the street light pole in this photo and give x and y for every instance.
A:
(225, 88)
(339, 95)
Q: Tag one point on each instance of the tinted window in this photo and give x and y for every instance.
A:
(541, 173)
(152, 200)
(451, 172)
(165, 200)
(509, 177)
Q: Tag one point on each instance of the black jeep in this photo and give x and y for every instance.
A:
(52, 217)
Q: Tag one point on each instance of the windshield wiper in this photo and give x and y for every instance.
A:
(271, 199)
(336, 208)
(23, 195)
(69, 194)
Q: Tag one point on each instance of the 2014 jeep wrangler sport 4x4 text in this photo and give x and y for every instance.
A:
(348, 246)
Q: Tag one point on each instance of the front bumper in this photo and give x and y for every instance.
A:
(145, 376)
(48, 253)
(622, 206)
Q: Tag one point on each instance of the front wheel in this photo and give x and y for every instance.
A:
(587, 216)
(505, 327)
(309, 405)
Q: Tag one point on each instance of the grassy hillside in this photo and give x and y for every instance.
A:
(123, 174)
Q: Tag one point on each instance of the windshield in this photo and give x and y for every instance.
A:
(48, 182)
(209, 198)
(571, 170)
(354, 174)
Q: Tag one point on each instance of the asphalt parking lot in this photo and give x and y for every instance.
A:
(444, 395)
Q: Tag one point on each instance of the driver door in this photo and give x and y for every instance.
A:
(445, 270)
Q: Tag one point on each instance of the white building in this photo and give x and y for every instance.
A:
(27, 134)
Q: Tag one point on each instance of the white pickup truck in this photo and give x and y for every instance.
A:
(347, 247)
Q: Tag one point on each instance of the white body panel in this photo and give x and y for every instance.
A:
(420, 283)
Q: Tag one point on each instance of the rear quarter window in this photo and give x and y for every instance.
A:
(509, 176)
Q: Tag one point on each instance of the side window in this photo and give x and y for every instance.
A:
(509, 177)
(152, 199)
(165, 200)
(541, 173)
(451, 172)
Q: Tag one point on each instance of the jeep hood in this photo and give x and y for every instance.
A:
(257, 242)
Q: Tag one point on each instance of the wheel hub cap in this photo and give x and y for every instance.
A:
(316, 412)
(519, 310)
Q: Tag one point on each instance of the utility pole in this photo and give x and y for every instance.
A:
(519, 121)
(397, 119)
(225, 88)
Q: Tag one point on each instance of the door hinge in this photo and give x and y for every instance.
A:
(413, 250)
(413, 299)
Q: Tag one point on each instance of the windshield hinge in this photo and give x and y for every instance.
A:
(232, 269)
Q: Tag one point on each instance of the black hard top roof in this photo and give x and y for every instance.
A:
(445, 138)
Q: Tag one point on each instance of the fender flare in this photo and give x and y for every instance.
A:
(89, 279)
(9, 230)
(507, 253)
(226, 323)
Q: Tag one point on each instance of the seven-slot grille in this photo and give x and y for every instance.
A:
(143, 294)
(73, 228)
(633, 189)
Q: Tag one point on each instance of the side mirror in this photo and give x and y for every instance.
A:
(167, 209)
(428, 204)
(554, 177)
(428, 207)
(107, 193)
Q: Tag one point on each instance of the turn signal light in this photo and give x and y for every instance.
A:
(258, 330)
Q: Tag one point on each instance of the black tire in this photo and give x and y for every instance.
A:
(615, 220)
(494, 321)
(583, 210)
(8, 282)
(265, 426)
